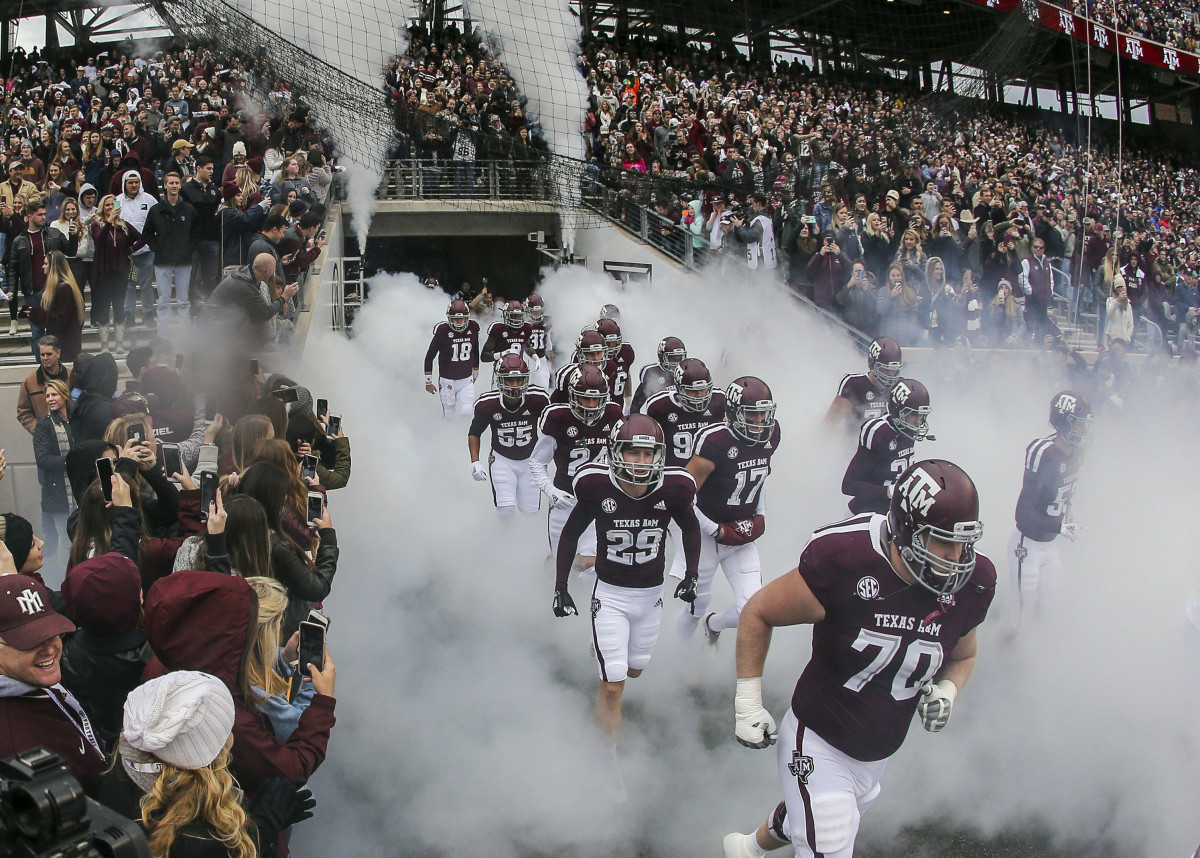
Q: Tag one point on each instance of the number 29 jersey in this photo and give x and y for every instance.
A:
(732, 491)
(881, 638)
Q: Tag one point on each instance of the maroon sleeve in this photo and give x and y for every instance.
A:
(473, 328)
(258, 755)
(685, 516)
(434, 345)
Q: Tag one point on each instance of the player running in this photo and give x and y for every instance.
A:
(540, 344)
(894, 604)
(863, 396)
(630, 501)
(512, 413)
(1044, 505)
(618, 354)
(659, 376)
(886, 446)
(455, 343)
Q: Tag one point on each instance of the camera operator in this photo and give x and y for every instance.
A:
(759, 236)
(34, 708)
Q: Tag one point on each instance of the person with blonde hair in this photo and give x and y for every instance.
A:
(270, 668)
(171, 772)
(60, 311)
(52, 440)
(114, 241)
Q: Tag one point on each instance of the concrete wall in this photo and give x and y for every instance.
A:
(611, 244)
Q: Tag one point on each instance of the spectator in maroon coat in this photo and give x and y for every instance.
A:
(827, 272)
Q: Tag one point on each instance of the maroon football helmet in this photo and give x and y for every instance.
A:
(1071, 417)
(535, 308)
(587, 382)
(514, 314)
(589, 347)
(750, 409)
(610, 311)
(935, 499)
(908, 400)
(512, 375)
(671, 352)
(693, 384)
(458, 314)
(611, 331)
(637, 432)
(884, 361)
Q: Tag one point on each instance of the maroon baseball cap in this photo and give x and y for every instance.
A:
(26, 617)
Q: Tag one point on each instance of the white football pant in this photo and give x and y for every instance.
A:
(1035, 573)
(625, 623)
(512, 485)
(742, 570)
(555, 522)
(458, 397)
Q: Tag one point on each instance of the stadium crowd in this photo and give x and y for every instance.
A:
(166, 173)
(928, 225)
(1171, 23)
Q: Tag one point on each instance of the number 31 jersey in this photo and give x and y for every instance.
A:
(514, 432)
(731, 492)
(880, 641)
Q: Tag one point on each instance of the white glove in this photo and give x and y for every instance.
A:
(474, 375)
(559, 498)
(1069, 530)
(537, 364)
(753, 725)
(937, 699)
(478, 471)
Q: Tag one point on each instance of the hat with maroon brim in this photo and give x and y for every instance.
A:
(26, 617)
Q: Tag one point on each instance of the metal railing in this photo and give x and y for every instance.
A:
(431, 179)
(685, 247)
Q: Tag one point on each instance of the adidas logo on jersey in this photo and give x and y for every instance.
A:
(661, 505)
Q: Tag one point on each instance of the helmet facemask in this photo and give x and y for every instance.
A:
(921, 429)
(938, 574)
(886, 374)
(754, 432)
(638, 474)
(694, 396)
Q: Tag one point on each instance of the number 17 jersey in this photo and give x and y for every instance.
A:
(732, 491)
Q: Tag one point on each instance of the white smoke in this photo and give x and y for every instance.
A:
(464, 707)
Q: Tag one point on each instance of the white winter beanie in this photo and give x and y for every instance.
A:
(183, 718)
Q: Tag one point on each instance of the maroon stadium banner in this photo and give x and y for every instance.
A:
(1099, 36)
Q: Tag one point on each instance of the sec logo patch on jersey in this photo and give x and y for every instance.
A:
(496, 416)
(672, 417)
(867, 588)
(732, 453)
(572, 431)
(608, 505)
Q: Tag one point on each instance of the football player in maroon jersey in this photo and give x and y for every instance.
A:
(589, 349)
(455, 343)
(730, 462)
(895, 603)
(1044, 505)
(630, 501)
(571, 435)
(512, 413)
(619, 356)
(510, 334)
(540, 344)
(863, 396)
(659, 376)
(885, 447)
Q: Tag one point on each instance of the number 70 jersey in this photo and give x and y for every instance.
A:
(733, 489)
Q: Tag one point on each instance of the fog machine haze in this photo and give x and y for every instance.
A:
(465, 719)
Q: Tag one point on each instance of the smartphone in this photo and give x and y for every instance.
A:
(315, 616)
(322, 407)
(312, 646)
(308, 467)
(321, 235)
(210, 409)
(104, 472)
(208, 492)
(135, 432)
(254, 368)
(316, 505)
(335, 424)
(172, 459)
(286, 394)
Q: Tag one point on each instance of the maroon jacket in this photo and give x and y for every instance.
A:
(63, 320)
(201, 621)
(32, 719)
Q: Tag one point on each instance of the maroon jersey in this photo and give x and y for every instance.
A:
(681, 426)
(574, 442)
(733, 490)
(457, 351)
(866, 397)
(654, 379)
(1046, 492)
(629, 531)
(562, 379)
(880, 641)
(622, 370)
(514, 432)
(882, 456)
(506, 339)
(539, 336)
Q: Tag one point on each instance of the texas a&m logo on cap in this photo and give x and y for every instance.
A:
(30, 602)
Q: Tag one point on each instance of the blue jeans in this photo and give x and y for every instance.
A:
(145, 277)
(172, 278)
(464, 178)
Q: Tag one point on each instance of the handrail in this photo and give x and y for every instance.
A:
(481, 179)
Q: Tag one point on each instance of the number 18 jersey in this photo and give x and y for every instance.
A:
(731, 492)
(881, 640)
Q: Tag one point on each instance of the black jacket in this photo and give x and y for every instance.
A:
(205, 199)
(101, 671)
(303, 583)
(238, 311)
(93, 409)
(20, 265)
(168, 232)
